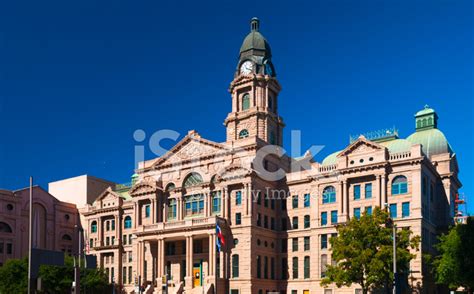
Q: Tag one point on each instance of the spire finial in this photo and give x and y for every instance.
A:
(427, 106)
(254, 24)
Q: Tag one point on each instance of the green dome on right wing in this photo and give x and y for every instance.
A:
(432, 141)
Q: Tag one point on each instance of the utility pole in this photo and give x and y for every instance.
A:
(30, 238)
(395, 276)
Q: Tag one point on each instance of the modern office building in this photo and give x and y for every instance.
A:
(276, 213)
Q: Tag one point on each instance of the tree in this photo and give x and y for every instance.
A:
(362, 252)
(55, 279)
(14, 276)
(454, 265)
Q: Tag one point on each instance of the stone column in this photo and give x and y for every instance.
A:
(224, 202)
(210, 264)
(247, 199)
(345, 197)
(153, 211)
(180, 208)
(189, 263)
(99, 232)
(384, 190)
(206, 204)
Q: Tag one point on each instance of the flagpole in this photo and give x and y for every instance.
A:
(30, 233)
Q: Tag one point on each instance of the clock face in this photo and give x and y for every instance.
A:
(246, 67)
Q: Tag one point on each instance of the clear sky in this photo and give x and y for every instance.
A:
(77, 78)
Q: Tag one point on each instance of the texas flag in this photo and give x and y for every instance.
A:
(220, 241)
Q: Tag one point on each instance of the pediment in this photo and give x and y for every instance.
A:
(192, 147)
(108, 194)
(144, 187)
(233, 172)
(360, 146)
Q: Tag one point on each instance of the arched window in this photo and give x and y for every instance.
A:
(430, 121)
(94, 227)
(5, 228)
(329, 195)
(235, 266)
(192, 179)
(171, 209)
(127, 223)
(399, 185)
(246, 102)
(424, 123)
(418, 123)
(66, 237)
(243, 134)
(170, 187)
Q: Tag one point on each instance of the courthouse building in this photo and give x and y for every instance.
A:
(276, 230)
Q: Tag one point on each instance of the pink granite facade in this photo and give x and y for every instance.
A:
(276, 230)
(54, 223)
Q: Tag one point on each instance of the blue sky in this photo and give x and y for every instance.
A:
(78, 78)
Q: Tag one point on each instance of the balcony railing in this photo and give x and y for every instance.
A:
(192, 222)
(400, 155)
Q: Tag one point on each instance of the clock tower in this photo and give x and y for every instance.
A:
(254, 92)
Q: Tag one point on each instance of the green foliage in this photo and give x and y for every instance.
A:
(454, 266)
(55, 279)
(363, 252)
(14, 276)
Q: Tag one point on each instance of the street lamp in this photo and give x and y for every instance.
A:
(393, 226)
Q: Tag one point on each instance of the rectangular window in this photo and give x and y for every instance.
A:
(357, 213)
(124, 239)
(265, 222)
(295, 223)
(272, 268)
(324, 241)
(368, 210)
(272, 223)
(259, 219)
(9, 248)
(284, 225)
(324, 262)
(265, 268)
(306, 267)
(113, 225)
(284, 245)
(194, 205)
(306, 243)
(216, 202)
(129, 274)
(238, 218)
(295, 244)
(235, 266)
(307, 221)
(356, 192)
(259, 267)
(147, 210)
(405, 209)
(124, 275)
(295, 267)
(171, 209)
(324, 218)
(284, 268)
(283, 204)
(295, 201)
(130, 239)
(238, 198)
(307, 200)
(393, 210)
(272, 204)
(334, 217)
(368, 191)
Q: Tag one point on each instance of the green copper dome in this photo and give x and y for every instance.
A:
(255, 40)
(432, 141)
(331, 158)
(397, 145)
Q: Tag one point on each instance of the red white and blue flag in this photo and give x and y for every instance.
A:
(220, 241)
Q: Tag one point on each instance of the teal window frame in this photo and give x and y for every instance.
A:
(307, 200)
(329, 195)
(368, 191)
(306, 267)
(127, 223)
(307, 221)
(238, 198)
(368, 210)
(147, 210)
(243, 134)
(357, 212)
(307, 243)
(294, 201)
(193, 205)
(238, 218)
(405, 209)
(324, 241)
(399, 185)
(235, 266)
(334, 217)
(393, 210)
(324, 218)
(172, 204)
(356, 192)
(94, 227)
